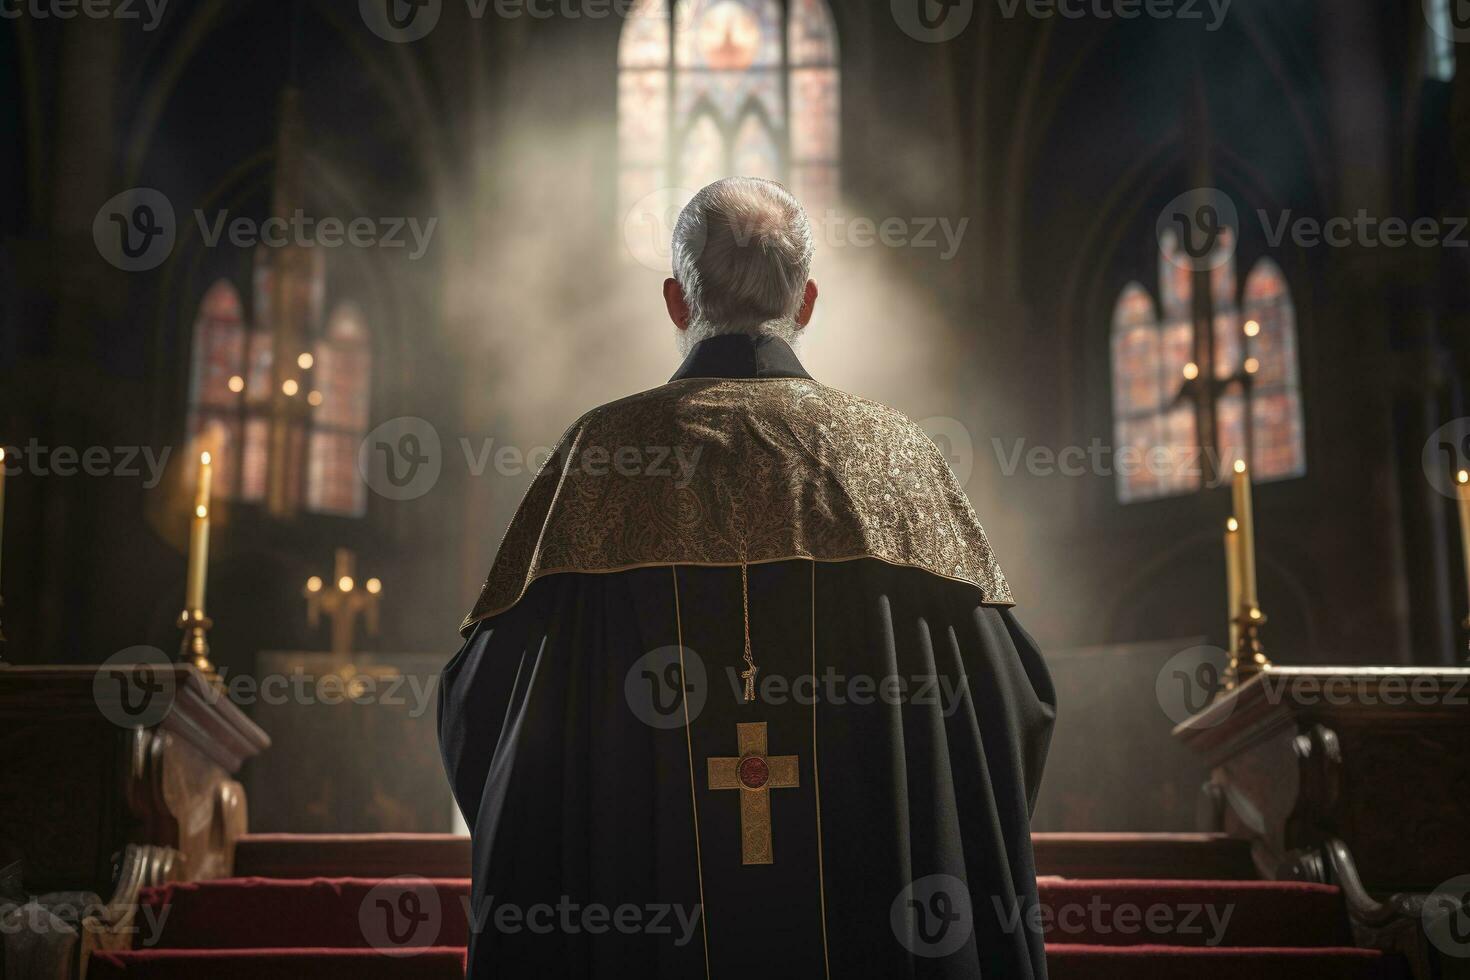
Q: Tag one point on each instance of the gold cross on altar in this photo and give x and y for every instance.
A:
(754, 774)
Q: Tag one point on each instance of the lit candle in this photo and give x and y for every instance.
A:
(1232, 577)
(199, 540)
(1241, 494)
(1462, 485)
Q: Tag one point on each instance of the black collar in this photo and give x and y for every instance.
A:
(738, 355)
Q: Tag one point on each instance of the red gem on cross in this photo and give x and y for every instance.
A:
(754, 772)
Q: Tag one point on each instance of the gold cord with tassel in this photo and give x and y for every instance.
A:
(750, 671)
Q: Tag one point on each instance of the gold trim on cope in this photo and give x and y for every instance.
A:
(714, 472)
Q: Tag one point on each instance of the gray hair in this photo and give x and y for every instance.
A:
(742, 253)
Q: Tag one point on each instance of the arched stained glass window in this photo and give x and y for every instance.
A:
(218, 416)
(233, 404)
(1253, 381)
(340, 421)
(713, 88)
(1276, 399)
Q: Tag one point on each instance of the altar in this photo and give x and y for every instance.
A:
(355, 745)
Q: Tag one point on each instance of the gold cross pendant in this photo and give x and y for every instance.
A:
(754, 774)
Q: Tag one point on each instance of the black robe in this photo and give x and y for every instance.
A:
(917, 714)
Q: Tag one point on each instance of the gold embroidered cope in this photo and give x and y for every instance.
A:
(754, 774)
(744, 471)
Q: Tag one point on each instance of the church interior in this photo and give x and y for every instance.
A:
(295, 296)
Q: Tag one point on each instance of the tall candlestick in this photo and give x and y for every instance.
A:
(1462, 488)
(1241, 496)
(1232, 578)
(199, 540)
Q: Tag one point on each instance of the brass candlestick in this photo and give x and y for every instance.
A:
(1249, 657)
(194, 649)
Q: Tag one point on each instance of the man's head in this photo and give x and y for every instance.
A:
(742, 254)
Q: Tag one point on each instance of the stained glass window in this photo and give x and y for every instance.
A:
(1276, 399)
(232, 395)
(1253, 381)
(340, 421)
(713, 88)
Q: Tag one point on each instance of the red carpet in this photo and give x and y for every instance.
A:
(361, 928)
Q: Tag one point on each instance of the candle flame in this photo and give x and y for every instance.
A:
(1191, 371)
(1240, 466)
(1232, 525)
(205, 458)
(1252, 327)
(374, 586)
(201, 511)
(314, 584)
(2, 454)
(346, 584)
(1462, 477)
